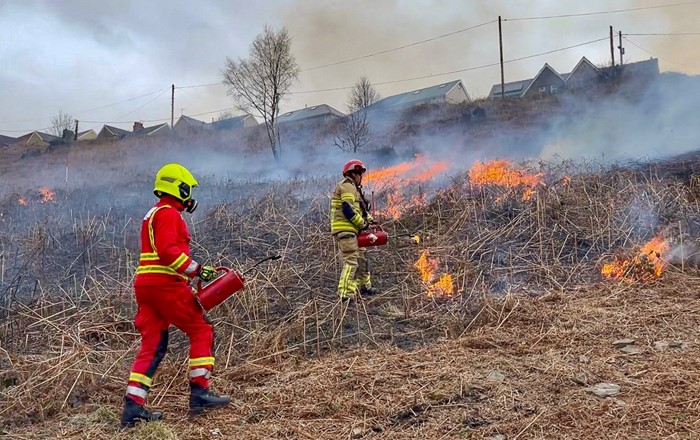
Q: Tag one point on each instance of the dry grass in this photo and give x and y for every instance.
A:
(530, 304)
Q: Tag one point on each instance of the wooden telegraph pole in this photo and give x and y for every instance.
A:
(75, 135)
(612, 46)
(500, 48)
(172, 106)
(622, 49)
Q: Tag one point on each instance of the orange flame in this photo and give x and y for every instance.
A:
(645, 266)
(505, 174)
(395, 178)
(427, 268)
(47, 195)
(22, 202)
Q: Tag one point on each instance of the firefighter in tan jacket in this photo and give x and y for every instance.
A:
(349, 216)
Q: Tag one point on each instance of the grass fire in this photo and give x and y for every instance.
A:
(323, 259)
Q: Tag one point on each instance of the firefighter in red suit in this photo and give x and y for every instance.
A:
(165, 298)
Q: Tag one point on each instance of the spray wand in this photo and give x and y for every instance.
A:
(258, 263)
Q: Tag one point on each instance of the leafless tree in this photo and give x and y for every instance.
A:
(62, 121)
(259, 83)
(355, 132)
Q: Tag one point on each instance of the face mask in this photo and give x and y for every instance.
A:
(190, 205)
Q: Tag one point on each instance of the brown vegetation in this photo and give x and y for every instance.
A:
(529, 303)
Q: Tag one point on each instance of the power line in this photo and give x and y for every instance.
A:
(614, 11)
(200, 85)
(122, 101)
(158, 120)
(89, 109)
(381, 52)
(144, 105)
(483, 66)
(649, 52)
(29, 130)
(668, 34)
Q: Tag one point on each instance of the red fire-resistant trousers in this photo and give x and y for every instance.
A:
(159, 306)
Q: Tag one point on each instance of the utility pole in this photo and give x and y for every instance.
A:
(75, 135)
(622, 49)
(612, 46)
(500, 48)
(172, 106)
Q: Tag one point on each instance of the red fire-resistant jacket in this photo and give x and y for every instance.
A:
(165, 246)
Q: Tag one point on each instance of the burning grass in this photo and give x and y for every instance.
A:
(496, 283)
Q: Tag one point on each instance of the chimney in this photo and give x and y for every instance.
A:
(138, 126)
(67, 135)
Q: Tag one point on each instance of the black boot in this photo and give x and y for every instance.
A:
(202, 398)
(133, 412)
(364, 291)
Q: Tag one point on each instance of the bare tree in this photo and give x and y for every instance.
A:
(259, 82)
(62, 121)
(355, 132)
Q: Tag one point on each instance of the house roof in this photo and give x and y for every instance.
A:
(83, 133)
(514, 88)
(7, 140)
(147, 131)
(114, 131)
(226, 124)
(45, 136)
(310, 112)
(544, 68)
(583, 61)
(414, 97)
(192, 122)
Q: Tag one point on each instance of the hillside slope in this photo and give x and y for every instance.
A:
(549, 350)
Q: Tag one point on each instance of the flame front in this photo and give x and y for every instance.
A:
(427, 269)
(22, 202)
(645, 266)
(504, 174)
(47, 195)
(395, 178)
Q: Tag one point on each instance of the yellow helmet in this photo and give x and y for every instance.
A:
(176, 180)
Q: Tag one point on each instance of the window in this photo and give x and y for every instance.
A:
(314, 107)
(543, 89)
(442, 85)
(416, 92)
(553, 89)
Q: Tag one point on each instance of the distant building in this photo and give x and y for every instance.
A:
(236, 122)
(111, 133)
(583, 76)
(452, 92)
(322, 112)
(155, 130)
(6, 141)
(640, 70)
(87, 135)
(186, 124)
(39, 139)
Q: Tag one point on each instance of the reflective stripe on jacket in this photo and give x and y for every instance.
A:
(165, 246)
(346, 191)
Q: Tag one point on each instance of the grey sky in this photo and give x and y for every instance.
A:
(82, 55)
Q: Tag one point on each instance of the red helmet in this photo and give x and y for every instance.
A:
(353, 165)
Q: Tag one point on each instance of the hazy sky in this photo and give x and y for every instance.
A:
(114, 61)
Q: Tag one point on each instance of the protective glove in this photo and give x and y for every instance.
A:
(207, 273)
